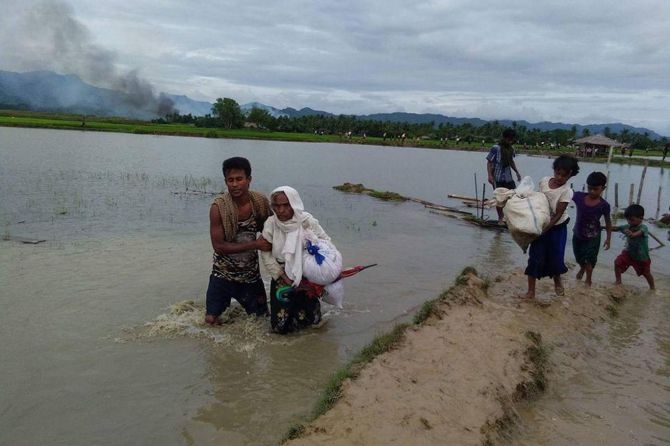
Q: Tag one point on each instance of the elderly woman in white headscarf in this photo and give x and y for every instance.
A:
(286, 231)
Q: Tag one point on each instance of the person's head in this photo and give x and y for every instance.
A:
(286, 203)
(596, 183)
(509, 135)
(237, 174)
(634, 214)
(565, 167)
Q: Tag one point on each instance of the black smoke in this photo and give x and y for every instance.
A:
(45, 35)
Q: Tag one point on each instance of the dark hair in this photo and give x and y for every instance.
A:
(596, 179)
(634, 210)
(237, 162)
(509, 133)
(567, 163)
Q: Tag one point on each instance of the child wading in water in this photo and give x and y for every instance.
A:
(546, 257)
(636, 252)
(586, 233)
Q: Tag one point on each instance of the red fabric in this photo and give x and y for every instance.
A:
(624, 260)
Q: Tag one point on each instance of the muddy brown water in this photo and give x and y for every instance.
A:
(102, 340)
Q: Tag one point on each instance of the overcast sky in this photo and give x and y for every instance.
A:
(567, 61)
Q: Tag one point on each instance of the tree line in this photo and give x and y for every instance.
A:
(227, 114)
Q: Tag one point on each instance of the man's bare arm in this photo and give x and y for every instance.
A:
(219, 243)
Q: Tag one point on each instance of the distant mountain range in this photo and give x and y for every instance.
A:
(49, 91)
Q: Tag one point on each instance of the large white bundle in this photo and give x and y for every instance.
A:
(321, 262)
(526, 215)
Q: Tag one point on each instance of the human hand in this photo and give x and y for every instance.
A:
(284, 279)
(665, 219)
(263, 245)
(606, 245)
(491, 182)
(518, 176)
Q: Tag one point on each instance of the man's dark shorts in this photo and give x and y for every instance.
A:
(250, 295)
(506, 184)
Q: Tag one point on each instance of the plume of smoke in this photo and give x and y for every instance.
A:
(45, 35)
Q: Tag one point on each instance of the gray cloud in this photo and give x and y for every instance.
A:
(568, 61)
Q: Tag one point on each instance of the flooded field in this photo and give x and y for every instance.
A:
(102, 335)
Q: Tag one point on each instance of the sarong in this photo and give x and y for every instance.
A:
(586, 250)
(546, 257)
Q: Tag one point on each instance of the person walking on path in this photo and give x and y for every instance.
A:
(500, 164)
(636, 252)
(546, 256)
(586, 236)
(236, 217)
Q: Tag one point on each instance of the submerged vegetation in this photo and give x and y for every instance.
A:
(360, 189)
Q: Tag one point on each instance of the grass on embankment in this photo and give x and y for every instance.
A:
(379, 345)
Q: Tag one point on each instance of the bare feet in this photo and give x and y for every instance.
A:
(588, 283)
(212, 320)
(580, 274)
(560, 291)
(527, 296)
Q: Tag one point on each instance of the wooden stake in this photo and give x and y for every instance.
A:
(644, 173)
(660, 243)
(658, 203)
(476, 195)
(609, 160)
(631, 193)
(616, 195)
(616, 200)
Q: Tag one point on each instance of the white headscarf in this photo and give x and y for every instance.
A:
(288, 236)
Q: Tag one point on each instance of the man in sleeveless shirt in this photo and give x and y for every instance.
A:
(235, 219)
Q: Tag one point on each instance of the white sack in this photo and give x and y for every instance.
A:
(526, 215)
(334, 294)
(331, 264)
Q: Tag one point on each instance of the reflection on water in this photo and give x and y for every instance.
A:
(92, 313)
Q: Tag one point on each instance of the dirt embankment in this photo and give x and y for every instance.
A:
(458, 377)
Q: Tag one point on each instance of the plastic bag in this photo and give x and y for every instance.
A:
(526, 212)
(525, 187)
(321, 262)
(334, 294)
(502, 194)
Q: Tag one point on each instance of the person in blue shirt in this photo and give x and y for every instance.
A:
(500, 164)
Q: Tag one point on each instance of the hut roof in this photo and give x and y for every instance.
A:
(598, 140)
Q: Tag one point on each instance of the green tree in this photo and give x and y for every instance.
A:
(262, 118)
(229, 112)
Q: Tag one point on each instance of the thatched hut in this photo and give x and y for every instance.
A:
(596, 145)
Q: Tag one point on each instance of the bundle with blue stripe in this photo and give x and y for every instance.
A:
(321, 261)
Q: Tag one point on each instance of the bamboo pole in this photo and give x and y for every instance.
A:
(616, 195)
(658, 203)
(609, 159)
(616, 199)
(631, 193)
(644, 173)
(660, 243)
(476, 195)
(483, 198)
